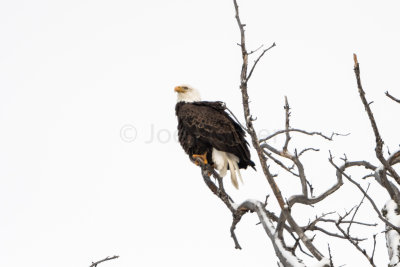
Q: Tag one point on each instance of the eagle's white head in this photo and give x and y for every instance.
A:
(187, 94)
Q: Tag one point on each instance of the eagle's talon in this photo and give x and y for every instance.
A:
(202, 157)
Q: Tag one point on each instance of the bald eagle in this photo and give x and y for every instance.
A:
(208, 132)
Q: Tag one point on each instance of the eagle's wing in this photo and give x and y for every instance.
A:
(208, 122)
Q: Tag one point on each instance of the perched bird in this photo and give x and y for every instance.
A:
(208, 132)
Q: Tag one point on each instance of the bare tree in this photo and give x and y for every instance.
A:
(291, 240)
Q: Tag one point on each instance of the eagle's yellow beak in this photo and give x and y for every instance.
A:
(179, 89)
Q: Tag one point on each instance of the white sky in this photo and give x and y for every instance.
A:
(74, 73)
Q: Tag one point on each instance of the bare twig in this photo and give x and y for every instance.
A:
(255, 50)
(392, 97)
(330, 256)
(347, 221)
(330, 138)
(258, 59)
(283, 166)
(355, 244)
(313, 227)
(367, 196)
(322, 230)
(352, 240)
(308, 149)
(373, 249)
(287, 125)
(94, 264)
(356, 210)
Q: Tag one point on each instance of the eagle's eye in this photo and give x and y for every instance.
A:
(185, 87)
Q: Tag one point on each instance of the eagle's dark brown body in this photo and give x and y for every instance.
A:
(204, 125)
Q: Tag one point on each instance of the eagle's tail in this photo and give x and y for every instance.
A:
(223, 161)
(234, 167)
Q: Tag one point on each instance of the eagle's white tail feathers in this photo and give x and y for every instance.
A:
(240, 175)
(232, 167)
(222, 160)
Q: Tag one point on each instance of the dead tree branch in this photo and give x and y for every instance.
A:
(378, 139)
(304, 198)
(341, 170)
(244, 78)
(330, 138)
(351, 239)
(392, 97)
(258, 59)
(355, 244)
(94, 264)
(266, 218)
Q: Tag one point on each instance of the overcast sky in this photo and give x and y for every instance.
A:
(89, 163)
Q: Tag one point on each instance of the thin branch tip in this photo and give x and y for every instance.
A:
(355, 60)
(94, 264)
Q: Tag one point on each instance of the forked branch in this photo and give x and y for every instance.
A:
(244, 78)
(265, 217)
(378, 138)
